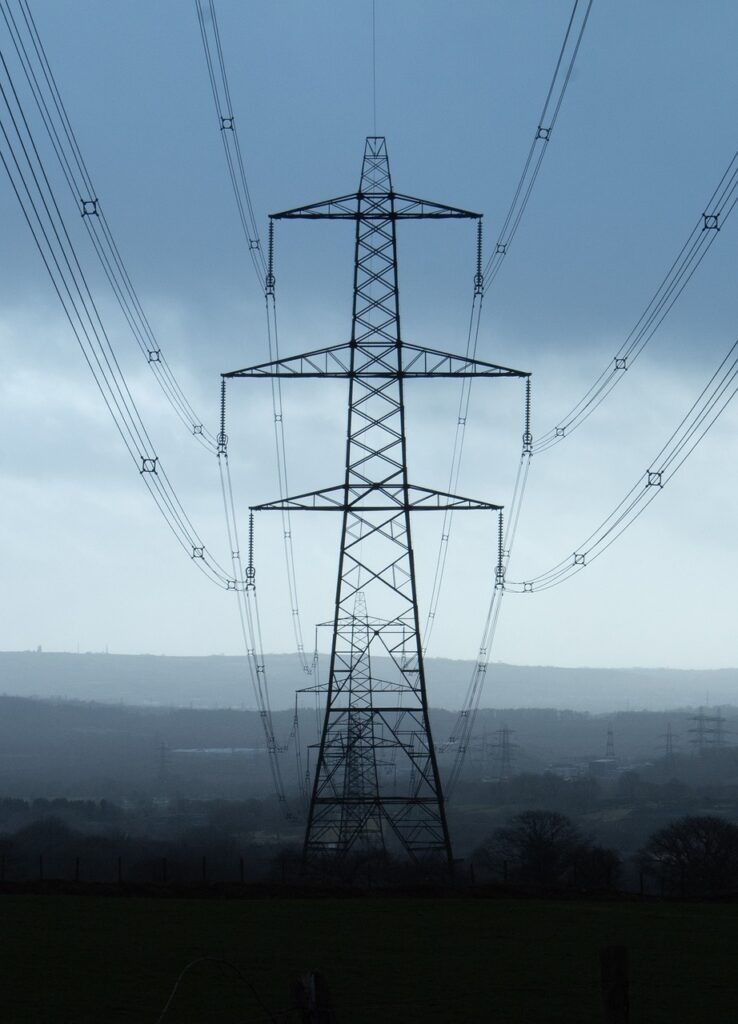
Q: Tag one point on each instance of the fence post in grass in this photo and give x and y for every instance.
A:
(76, 869)
(504, 871)
(614, 982)
(120, 870)
(163, 869)
(40, 867)
(312, 1000)
(240, 869)
(204, 870)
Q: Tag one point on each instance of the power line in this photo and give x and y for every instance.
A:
(43, 215)
(702, 236)
(53, 113)
(717, 210)
(228, 130)
(264, 269)
(546, 123)
(483, 279)
(714, 398)
(462, 731)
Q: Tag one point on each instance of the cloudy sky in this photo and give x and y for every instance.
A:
(645, 133)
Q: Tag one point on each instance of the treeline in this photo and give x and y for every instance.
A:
(621, 811)
(158, 818)
(696, 855)
(192, 843)
(182, 841)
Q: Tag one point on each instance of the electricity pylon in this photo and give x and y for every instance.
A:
(369, 720)
(504, 749)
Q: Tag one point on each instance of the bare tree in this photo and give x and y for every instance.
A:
(539, 847)
(694, 855)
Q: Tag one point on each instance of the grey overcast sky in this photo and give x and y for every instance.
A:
(646, 130)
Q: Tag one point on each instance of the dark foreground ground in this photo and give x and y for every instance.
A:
(85, 958)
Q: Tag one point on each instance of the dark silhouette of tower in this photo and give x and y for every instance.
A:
(164, 764)
(369, 720)
(669, 749)
(707, 735)
(504, 751)
(610, 745)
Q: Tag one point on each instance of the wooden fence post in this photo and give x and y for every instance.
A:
(312, 999)
(614, 981)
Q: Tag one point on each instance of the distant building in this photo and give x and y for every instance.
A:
(566, 770)
(603, 768)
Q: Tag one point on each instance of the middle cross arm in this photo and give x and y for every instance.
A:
(377, 360)
(376, 497)
(374, 206)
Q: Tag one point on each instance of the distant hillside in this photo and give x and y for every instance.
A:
(219, 681)
(90, 750)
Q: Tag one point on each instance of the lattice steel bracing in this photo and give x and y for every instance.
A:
(373, 724)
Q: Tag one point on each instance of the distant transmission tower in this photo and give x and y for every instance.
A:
(371, 721)
(707, 735)
(504, 749)
(610, 745)
(669, 749)
(164, 764)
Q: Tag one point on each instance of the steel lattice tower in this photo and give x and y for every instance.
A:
(371, 722)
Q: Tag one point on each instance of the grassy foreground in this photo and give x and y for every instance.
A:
(78, 959)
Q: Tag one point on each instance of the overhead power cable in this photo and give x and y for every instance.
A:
(704, 233)
(264, 269)
(34, 191)
(280, 441)
(213, 49)
(484, 277)
(712, 401)
(717, 210)
(544, 130)
(250, 621)
(463, 728)
(35, 194)
(33, 60)
(472, 342)
(704, 412)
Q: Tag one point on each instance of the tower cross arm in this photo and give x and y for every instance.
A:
(379, 205)
(377, 497)
(334, 361)
(377, 360)
(419, 361)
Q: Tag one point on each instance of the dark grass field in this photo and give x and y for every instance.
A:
(71, 959)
